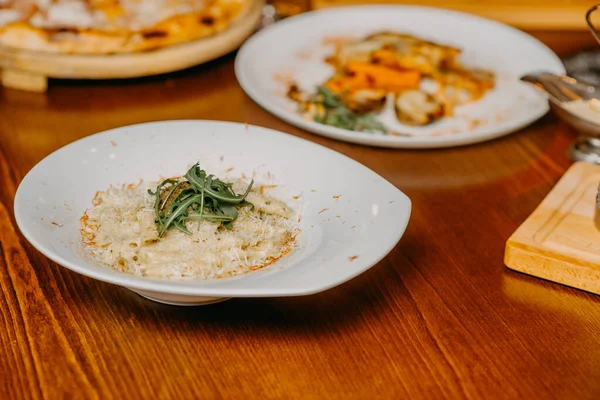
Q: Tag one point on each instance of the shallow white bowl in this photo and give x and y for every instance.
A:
(351, 217)
(294, 49)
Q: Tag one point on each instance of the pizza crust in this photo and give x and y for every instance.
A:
(216, 17)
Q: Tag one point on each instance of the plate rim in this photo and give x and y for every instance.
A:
(387, 141)
(172, 286)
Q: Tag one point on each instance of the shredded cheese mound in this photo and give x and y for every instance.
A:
(119, 231)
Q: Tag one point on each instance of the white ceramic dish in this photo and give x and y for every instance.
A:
(294, 49)
(341, 236)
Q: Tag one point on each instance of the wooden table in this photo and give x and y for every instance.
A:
(440, 317)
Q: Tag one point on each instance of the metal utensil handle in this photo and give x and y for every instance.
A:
(591, 26)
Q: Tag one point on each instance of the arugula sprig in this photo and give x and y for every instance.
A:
(196, 196)
(337, 114)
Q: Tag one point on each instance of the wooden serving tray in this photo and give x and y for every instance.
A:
(28, 70)
(559, 241)
(537, 14)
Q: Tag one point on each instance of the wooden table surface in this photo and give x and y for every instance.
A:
(440, 317)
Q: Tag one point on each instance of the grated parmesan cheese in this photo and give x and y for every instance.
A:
(119, 231)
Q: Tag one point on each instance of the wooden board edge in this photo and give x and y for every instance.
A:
(23, 80)
(552, 269)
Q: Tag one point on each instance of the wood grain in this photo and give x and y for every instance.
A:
(440, 317)
(540, 14)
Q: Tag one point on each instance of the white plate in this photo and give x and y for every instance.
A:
(294, 48)
(341, 237)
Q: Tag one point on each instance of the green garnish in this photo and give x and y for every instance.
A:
(337, 114)
(329, 99)
(196, 196)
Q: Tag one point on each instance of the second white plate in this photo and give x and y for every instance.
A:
(295, 49)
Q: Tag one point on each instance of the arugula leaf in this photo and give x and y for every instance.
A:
(339, 115)
(196, 196)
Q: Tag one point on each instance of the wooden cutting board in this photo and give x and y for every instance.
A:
(531, 15)
(559, 241)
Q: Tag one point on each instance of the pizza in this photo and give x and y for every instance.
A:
(111, 26)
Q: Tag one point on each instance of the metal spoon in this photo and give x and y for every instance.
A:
(560, 90)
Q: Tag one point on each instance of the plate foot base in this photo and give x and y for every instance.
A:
(178, 299)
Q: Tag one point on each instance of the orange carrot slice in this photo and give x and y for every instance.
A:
(381, 77)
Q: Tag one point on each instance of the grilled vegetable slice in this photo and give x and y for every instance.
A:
(365, 100)
(415, 107)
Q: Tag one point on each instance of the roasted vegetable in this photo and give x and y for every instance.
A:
(353, 52)
(296, 94)
(345, 83)
(415, 107)
(389, 63)
(312, 110)
(406, 52)
(365, 100)
(331, 109)
(474, 82)
(380, 77)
